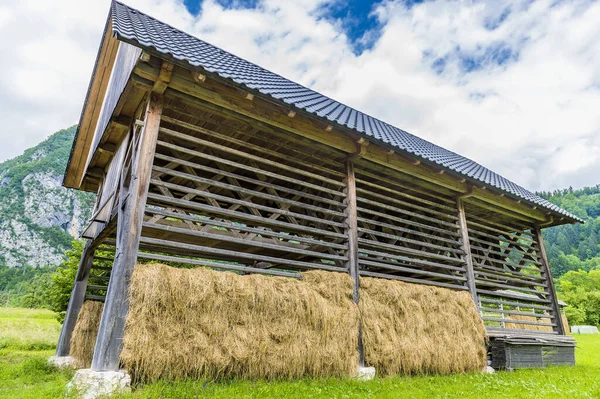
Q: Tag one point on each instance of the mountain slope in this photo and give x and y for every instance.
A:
(39, 217)
(576, 246)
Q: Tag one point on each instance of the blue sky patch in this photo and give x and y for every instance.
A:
(495, 22)
(360, 26)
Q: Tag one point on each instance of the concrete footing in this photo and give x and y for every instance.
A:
(489, 370)
(365, 373)
(89, 384)
(62, 361)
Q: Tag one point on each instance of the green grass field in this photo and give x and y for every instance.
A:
(27, 339)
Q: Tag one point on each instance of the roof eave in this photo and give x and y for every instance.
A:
(76, 164)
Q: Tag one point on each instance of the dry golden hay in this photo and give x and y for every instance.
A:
(199, 323)
(523, 326)
(566, 324)
(85, 332)
(420, 329)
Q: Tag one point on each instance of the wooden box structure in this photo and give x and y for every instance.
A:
(200, 157)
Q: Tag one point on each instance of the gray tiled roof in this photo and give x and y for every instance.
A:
(142, 30)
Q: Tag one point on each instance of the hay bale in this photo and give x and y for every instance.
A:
(85, 332)
(419, 329)
(199, 323)
(565, 323)
(523, 326)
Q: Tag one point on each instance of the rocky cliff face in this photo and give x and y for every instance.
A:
(39, 217)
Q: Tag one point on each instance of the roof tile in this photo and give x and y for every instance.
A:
(133, 26)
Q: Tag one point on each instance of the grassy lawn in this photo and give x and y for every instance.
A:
(27, 338)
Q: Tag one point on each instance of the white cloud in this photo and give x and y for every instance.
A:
(533, 119)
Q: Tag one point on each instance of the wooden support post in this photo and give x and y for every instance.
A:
(352, 231)
(560, 328)
(76, 301)
(132, 202)
(466, 246)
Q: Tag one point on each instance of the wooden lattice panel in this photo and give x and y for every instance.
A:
(510, 277)
(243, 200)
(407, 232)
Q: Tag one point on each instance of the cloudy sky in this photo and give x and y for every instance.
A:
(514, 85)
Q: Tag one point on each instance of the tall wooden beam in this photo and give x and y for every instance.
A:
(76, 301)
(466, 246)
(132, 202)
(352, 232)
(546, 271)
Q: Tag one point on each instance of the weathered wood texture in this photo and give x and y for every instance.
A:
(548, 275)
(233, 197)
(89, 118)
(76, 300)
(108, 195)
(407, 231)
(466, 247)
(133, 194)
(352, 250)
(511, 282)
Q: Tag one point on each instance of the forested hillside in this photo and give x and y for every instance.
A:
(39, 217)
(575, 247)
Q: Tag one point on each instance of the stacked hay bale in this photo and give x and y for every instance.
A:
(525, 326)
(84, 335)
(565, 323)
(420, 329)
(199, 323)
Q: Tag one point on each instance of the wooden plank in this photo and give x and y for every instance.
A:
(247, 179)
(418, 233)
(240, 227)
(255, 158)
(248, 204)
(241, 241)
(497, 331)
(249, 192)
(238, 255)
(466, 247)
(407, 260)
(352, 252)
(390, 198)
(89, 118)
(532, 323)
(412, 280)
(395, 209)
(506, 277)
(241, 166)
(393, 267)
(516, 312)
(63, 347)
(511, 287)
(217, 265)
(131, 213)
(560, 328)
(408, 222)
(352, 228)
(405, 250)
(99, 298)
(423, 243)
(507, 233)
(246, 217)
(510, 296)
(516, 304)
(299, 157)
